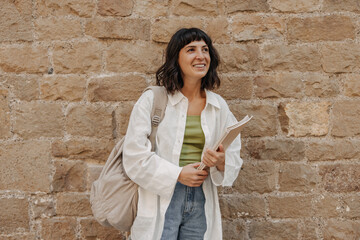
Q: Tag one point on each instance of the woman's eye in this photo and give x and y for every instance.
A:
(190, 50)
(205, 49)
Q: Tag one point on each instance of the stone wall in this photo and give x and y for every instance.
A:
(71, 70)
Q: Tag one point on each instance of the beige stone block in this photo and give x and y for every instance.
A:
(142, 57)
(135, 28)
(263, 122)
(89, 121)
(295, 5)
(281, 85)
(337, 229)
(20, 236)
(4, 114)
(298, 178)
(35, 119)
(25, 166)
(234, 230)
(340, 57)
(116, 88)
(24, 58)
(195, 8)
(235, 87)
(69, 176)
(22, 87)
(282, 230)
(242, 6)
(309, 230)
(81, 8)
(340, 177)
(256, 177)
(66, 88)
(341, 5)
(333, 150)
(122, 116)
(15, 21)
(94, 172)
(14, 215)
(81, 57)
(346, 121)
(276, 150)
(70, 204)
(305, 118)
(218, 29)
(240, 57)
(57, 28)
(253, 27)
(58, 228)
(326, 28)
(352, 85)
(90, 229)
(352, 206)
(88, 150)
(120, 8)
(327, 206)
(151, 8)
(163, 28)
(43, 207)
(234, 207)
(291, 58)
(290, 207)
(318, 85)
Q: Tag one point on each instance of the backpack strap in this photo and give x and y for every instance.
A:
(158, 110)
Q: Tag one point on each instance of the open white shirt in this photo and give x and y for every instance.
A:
(157, 172)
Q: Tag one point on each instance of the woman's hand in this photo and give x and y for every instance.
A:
(192, 177)
(215, 158)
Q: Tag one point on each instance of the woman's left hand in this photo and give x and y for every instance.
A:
(215, 158)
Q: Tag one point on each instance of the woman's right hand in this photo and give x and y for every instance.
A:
(192, 177)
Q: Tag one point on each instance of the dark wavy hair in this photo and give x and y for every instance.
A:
(169, 74)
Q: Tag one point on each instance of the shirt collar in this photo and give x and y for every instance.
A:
(210, 98)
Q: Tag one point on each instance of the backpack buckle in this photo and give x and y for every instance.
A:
(155, 120)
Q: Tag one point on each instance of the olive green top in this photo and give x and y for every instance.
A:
(194, 140)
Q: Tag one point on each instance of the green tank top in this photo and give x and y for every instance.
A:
(194, 140)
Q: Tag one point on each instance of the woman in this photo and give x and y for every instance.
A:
(177, 201)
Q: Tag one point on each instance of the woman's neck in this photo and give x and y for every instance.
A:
(192, 90)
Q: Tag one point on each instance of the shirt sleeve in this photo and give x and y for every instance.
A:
(143, 166)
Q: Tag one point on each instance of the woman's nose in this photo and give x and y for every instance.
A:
(200, 55)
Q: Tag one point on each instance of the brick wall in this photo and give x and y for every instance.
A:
(71, 70)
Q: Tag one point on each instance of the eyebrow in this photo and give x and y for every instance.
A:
(195, 46)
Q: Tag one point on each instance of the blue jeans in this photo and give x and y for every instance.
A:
(185, 216)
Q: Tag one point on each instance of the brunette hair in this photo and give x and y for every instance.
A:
(169, 74)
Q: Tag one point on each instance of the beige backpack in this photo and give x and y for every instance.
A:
(114, 196)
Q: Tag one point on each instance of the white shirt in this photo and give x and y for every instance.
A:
(157, 172)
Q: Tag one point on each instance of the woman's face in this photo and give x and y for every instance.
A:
(194, 60)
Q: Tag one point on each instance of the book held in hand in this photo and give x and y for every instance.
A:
(228, 136)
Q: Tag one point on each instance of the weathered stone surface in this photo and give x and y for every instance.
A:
(242, 57)
(43, 207)
(259, 177)
(282, 85)
(81, 57)
(93, 174)
(70, 204)
(290, 207)
(318, 85)
(20, 162)
(57, 28)
(340, 57)
(284, 230)
(81, 8)
(263, 122)
(218, 29)
(234, 230)
(346, 121)
(14, 215)
(352, 85)
(295, 5)
(309, 230)
(15, 21)
(341, 5)
(116, 88)
(22, 87)
(151, 8)
(275, 149)
(305, 118)
(25, 58)
(121, 8)
(352, 206)
(20, 236)
(141, 57)
(252, 27)
(122, 115)
(340, 177)
(89, 120)
(88, 150)
(235, 87)
(326, 28)
(327, 206)
(333, 150)
(35, 119)
(90, 229)
(58, 228)
(163, 28)
(297, 178)
(67, 88)
(233, 207)
(195, 8)
(247, 5)
(337, 229)
(69, 176)
(4, 114)
(118, 28)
